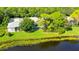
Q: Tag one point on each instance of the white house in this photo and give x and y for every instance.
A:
(71, 20)
(14, 23)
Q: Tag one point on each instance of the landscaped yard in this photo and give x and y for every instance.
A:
(74, 31)
(39, 34)
(27, 26)
(26, 35)
(25, 38)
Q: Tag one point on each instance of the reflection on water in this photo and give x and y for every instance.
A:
(74, 42)
(49, 46)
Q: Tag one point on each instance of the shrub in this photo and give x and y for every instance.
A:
(41, 23)
(2, 33)
(61, 30)
(9, 34)
(28, 25)
(68, 27)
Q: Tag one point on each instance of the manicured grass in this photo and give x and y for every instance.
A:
(74, 31)
(25, 38)
(26, 35)
(39, 34)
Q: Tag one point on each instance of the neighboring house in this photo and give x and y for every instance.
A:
(71, 20)
(14, 23)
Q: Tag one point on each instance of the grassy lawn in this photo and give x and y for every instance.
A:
(74, 31)
(26, 35)
(39, 34)
(22, 38)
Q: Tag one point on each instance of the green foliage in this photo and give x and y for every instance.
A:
(28, 25)
(0, 21)
(51, 28)
(2, 32)
(53, 17)
(9, 34)
(68, 27)
(61, 30)
(54, 21)
(57, 15)
(32, 11)
(5, 21)
(44, 15)
(67, 10)
(41, 23)
(75, 13)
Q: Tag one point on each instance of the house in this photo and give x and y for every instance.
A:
(75, 16)
(14, 23)
(70, 20)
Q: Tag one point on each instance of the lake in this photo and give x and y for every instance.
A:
(49, 46)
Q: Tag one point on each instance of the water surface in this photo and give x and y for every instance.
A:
(49, 46)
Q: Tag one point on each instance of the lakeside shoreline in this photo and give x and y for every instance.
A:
(25, 42)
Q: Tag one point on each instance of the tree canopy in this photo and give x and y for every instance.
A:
(27, 25)
(53, 16)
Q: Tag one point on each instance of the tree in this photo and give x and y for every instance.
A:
(52, 15)
(28, 25)
(5, 21)
(58, 21)
(75, 14)
(55, 22)
(66, 10)
(41, 23)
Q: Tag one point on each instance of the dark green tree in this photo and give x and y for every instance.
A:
(28, 25)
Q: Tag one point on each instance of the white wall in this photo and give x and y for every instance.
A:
(11, 30)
